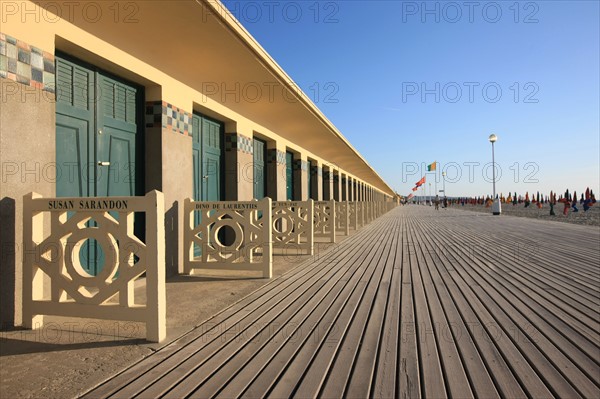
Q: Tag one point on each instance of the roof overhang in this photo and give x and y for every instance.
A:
(202, 45)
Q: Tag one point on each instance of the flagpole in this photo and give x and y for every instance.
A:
(436, 177)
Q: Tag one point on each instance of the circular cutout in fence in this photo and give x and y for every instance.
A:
(227, 234)
(104, 249)
(282, 224)
(91, 257)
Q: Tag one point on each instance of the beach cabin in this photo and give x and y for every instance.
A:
(121, 99)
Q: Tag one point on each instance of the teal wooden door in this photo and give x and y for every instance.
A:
(309, 179)
(116, 138)
(75, 129)
(96, 141)
(211, 160)
(289, 174)
(197, 157)
(207, 158)
(259, 151)
(207, 162)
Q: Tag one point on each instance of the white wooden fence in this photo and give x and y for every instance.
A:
(56, 255)
(228, 236)
(324, 223)
(293, 225)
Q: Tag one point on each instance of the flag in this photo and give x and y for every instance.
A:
(410, 196)
(420, 182)
(415, 189)
(431, 168)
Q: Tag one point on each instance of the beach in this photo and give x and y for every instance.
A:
(589, 218)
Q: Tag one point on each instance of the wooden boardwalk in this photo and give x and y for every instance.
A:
(417, 304)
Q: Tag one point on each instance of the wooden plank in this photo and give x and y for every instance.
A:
(340, 372)
(303, 322)
(146, 372)
(384, 385)
(409, 371)
(272, 373)
(363, 372)
(536, 356)
(466, 371)
(315, 376)
(549, 319)
(432, 375)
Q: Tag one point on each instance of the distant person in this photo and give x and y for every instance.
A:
(567, 205)
(445, 202)
(590, 200)
(574, 202)
(437, 202)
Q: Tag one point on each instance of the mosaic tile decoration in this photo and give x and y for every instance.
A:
(274, 155)
(299, 164)
(167, 116)
(26, 64)
(238, 142)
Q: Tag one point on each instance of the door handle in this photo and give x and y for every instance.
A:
(105, 163)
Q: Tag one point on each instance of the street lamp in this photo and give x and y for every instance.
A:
(496, 207)
(429, 194)
(444, 181)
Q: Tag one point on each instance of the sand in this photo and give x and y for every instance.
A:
(590, 218)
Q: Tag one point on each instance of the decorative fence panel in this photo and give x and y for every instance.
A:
(293, 225)
(367, 212)
(228, 236)
(342, 221)
(360, 213)
(107, 224)
(324, 222)
(353, 216)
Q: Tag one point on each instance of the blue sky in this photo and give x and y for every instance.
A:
(409, 83)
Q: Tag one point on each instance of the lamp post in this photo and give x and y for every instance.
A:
(429, 194)
(444, 182)
(496, 207)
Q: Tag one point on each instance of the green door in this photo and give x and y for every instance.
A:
(96, 140)
(211, 160)
(116, 138)
(309, 179)
(289, 174)
(260, 148)
(207, 161)
(207, 158)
